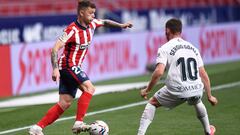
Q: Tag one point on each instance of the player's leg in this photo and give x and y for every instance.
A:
(83, 103)
(87, 89)
(84, 100)
(52, 114)
(67, 91)
(202, 115)
(148, 115)
(161, 98)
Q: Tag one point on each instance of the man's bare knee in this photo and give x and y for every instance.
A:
(90, 90)
(64, 105)
(65, 101)
(87, 87)
(154, 102)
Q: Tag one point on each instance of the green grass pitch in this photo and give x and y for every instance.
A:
(179, 121)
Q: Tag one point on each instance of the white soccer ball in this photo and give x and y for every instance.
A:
(99, 127)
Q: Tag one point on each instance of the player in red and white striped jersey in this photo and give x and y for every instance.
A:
(67, 70)
(77, 39)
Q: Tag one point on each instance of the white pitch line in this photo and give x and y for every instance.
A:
(224, 86)
(107, 110)
(219, 87)
(14, 130)
(88, 114)
(52, 97)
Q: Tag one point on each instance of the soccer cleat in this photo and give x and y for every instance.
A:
(35, 130)
(212, 130)
(79, 127)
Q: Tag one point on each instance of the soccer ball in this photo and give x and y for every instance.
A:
(99, 127)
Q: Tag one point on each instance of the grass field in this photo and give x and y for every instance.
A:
(179, 121)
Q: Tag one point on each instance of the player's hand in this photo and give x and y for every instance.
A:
(144, 93)
(127, 25)
(213, 100)
(56, 75)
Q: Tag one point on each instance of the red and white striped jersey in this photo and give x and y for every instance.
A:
(77, 39)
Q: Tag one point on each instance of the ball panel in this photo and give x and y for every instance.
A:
(99, 127)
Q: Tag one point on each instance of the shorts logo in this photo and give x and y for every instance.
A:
(83, 74)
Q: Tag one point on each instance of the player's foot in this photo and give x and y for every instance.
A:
(212, 130)
(79, 127)
(35, 130)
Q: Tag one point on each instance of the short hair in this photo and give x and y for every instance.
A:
(82, 4)
(175, 25)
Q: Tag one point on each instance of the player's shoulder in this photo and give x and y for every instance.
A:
(166, 46)
(164, 49)
(71, 26)
(98, 21)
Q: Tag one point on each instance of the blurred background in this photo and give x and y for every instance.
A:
(29, 28)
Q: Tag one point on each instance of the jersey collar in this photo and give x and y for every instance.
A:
(80, 26)
(177, 38)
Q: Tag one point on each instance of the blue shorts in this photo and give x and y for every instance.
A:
(70, 79)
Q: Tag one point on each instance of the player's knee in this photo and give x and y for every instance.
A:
(149, 112)
(87, 87)
(90, 90)
(154, 102)
(65, 105)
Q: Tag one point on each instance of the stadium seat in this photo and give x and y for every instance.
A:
(41, 7)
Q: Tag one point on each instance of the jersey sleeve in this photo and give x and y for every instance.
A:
(67, 35)
(161, 57)
(199, 60)
(97, 23)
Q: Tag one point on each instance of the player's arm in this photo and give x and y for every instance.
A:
(207, 85)
(111, 23)
(54, 59)
(157, 74)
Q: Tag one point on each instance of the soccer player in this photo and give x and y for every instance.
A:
(67, 70)
(185, 80)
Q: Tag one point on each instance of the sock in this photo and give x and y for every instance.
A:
(83, 103)
(52, 115)
(202, 116)
(146, 119)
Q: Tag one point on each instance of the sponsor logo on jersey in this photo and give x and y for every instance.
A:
(190, 87)
(84, 46)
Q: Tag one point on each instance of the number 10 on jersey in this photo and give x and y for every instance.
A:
(188, 68)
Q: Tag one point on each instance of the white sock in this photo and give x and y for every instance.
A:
(146, 119)
(203, 116)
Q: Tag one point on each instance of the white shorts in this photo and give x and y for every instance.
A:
(168, 100)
